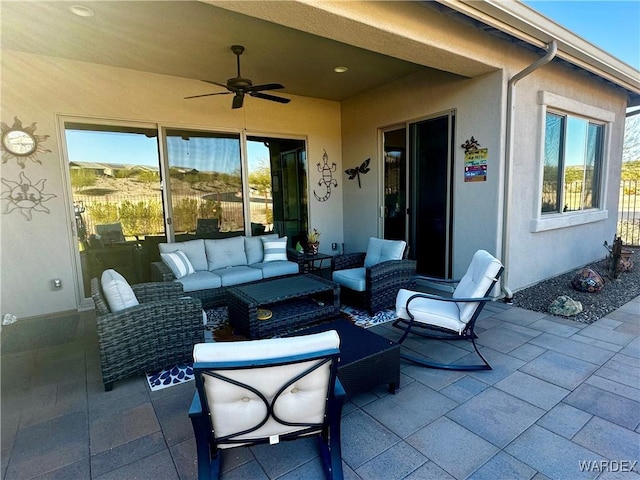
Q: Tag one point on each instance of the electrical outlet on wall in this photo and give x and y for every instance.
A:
(334, 246)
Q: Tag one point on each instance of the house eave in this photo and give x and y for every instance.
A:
(526, 24)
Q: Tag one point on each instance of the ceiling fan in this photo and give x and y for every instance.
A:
(240, 86)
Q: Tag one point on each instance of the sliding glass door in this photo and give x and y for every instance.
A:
(115, 186)
(131, 191)
(278, 185)
(430, 228)
(418, 191)
(395, 183)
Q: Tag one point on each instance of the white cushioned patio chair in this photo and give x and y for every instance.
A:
(267, 391)
(449, 317)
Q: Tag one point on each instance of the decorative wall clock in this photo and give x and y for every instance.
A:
(21, 142)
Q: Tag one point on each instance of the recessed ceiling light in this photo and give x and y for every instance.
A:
(340, 69)
(81, 10)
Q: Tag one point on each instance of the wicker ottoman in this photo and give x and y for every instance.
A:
(366, 359)
(293, 302)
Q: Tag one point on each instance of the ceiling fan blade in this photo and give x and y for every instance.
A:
(238, 99)
(207, 95)
(223, 85)
(240, 86)
(273, 98)
(266, 86)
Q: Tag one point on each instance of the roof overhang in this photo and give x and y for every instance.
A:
(526, 24)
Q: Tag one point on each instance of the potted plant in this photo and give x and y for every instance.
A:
(313, 241)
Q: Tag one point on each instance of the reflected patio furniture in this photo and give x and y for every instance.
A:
(207, 228)
(257, 229)
(110, 233)
(127, 258)
(449, 317)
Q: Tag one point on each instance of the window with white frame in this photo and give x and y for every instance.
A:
(573, 163)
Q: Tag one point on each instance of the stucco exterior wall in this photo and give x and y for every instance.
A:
(39, 89)
(478, 106)
(530, 254)
(535, 253)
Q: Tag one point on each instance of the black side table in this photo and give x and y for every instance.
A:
(310, 262)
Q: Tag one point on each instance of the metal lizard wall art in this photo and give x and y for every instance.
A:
(327, 177)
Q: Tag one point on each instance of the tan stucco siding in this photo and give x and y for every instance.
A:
(477, 104)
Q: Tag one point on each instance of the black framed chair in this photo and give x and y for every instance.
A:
(449, 317)
(267, 391)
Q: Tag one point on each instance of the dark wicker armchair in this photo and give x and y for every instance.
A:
(382, 280)
(158, 333)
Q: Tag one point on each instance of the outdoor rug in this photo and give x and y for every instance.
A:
(219, 330)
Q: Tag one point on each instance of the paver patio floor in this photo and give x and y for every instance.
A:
(562, 402)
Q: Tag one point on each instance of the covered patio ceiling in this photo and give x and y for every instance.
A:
(295, 43)
(192, 39)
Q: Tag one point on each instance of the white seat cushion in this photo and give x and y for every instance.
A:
(380, 250)
(352, 278)
(117, 291)
(430, 312)
(481, 273)
(235, 408)
(476, 281)
(200, 280)
(238, 274)
(277, 268)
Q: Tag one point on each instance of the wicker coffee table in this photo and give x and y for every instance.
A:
(292, 301)
(366, 359)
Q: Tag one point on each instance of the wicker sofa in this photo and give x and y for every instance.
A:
(158, 332)
(370, 280)
(222, 263)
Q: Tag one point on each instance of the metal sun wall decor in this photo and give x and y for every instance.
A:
(21, 142)
(355, 172)
(327, 177)
(25, 196)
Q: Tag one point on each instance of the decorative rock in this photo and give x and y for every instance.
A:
(587, 280)
(565, 306)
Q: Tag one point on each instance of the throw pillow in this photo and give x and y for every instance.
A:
(178, 263)
(274, 249)
(254, 249)
(193, 249)
(117, 291)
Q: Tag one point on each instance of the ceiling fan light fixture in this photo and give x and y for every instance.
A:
(340, 69)
(240, 86)
(81, 11)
